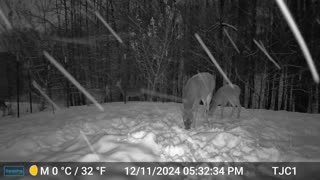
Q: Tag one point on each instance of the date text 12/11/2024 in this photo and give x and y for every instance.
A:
(176, 171)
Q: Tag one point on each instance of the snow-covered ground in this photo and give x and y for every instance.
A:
(148, 131)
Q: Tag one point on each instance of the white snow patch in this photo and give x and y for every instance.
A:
(148, 131)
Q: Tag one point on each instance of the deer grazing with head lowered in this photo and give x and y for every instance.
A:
(198, 88)
(224, 95)
(129, 92)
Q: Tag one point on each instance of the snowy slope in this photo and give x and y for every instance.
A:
(145, 131)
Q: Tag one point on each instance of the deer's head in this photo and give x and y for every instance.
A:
(187, 118)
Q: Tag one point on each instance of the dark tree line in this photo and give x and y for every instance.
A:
(160, 51)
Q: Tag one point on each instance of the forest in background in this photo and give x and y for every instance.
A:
(159, 50)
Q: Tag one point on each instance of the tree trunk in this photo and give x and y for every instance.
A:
(267, 93)
(286, 85)
(294, 105)
(253, 64)
(246, 94)
(280, 90)
(273, 94)
(18, 86)
(30, 90)
(180, 75)
(291, 100)
(263, 89)
(316, 99)
(256, 92)
(309, 109)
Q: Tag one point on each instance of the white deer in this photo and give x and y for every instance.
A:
(198, 88)
(224, 95)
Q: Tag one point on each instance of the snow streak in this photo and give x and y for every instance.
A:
(297, 34)
(105, 22)
(213, 59)
(264, 50)
(88, 142)
(232, 42)
(35, 84)
(72, 80)
(5, 19)
(108, 27)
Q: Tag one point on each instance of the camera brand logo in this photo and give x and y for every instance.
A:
(13, 171)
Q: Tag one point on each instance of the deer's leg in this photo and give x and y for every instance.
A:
(239, 108)
(222, 108)
(212, 108)
(233, 107)
(208, 100)
(195, 117)
(127, 99)
(205, 109)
